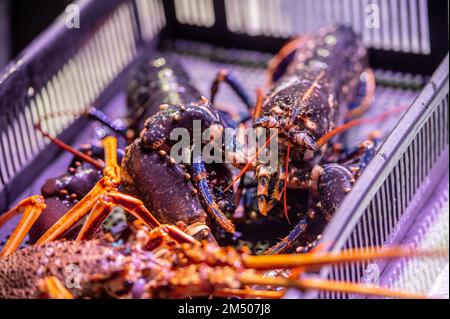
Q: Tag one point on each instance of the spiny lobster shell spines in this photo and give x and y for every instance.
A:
(21, 272)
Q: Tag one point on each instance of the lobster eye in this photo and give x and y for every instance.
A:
(308, 114)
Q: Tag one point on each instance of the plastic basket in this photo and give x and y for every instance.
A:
(402, 196)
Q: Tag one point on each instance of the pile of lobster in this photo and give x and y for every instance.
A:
(180, 215)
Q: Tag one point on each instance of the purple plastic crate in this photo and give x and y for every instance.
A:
(64, 71)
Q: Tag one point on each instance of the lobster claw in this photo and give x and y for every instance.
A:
(270, 186)
(334, 183)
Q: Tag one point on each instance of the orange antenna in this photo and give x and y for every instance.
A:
(69, 148)
(286, 182)
(247, 166)
(324, 139)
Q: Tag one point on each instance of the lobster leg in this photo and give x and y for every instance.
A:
(104, 206)
(112, 169)
(178, 235)
(286, 244)
(76, 213)
(257, 111)
(54, 289)
(108, 183)
(332, 182)
(364, 154)
(158, 128)
(200, 177)
(133, 206)
(228, 77)
(32, 208)
(101, 117)
(98, 214)
(328, 285)
(278, 64)
(370, 87)
(248, 293)
(315, 260)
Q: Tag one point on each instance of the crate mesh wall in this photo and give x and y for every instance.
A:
(195, 12)
(73, 88)
(407, 180)
(399, 25)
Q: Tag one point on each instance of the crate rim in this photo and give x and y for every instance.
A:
(351, 210)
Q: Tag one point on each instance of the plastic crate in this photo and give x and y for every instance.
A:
(402, 196)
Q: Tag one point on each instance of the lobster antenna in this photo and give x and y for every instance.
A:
(247, 166)
(69, 148)
(328, 285)
(288, 151)
(324, 139)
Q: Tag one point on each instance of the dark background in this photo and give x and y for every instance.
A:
(22, 20)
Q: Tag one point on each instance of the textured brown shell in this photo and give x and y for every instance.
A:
(21, 272)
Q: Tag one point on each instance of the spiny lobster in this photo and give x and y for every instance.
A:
(164, 262)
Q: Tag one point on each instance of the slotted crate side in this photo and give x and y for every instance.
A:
(58, 77)
(397, 25)
(151, 18)
(396, 184)
(430, 229)
(402, 35)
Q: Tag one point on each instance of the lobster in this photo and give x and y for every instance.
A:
(147, 173)
(315, 81)
(162, 98)
(164, 262)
